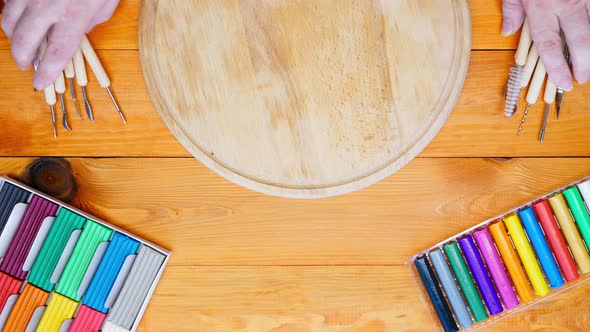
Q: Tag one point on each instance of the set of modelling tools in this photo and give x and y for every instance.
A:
(529, 70)
(76, 68)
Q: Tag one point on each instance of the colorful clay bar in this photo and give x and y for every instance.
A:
(520, 256)
(62, 270)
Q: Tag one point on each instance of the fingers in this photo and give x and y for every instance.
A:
(64, 39)
(576, 27)
(545, 30)
(105, 13)
(32, 27)
(13, 10)
(513, 16)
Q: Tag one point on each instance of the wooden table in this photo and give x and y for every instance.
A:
(247, 262)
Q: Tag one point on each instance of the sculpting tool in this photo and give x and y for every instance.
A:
(533, 93)
(60, 88)
(99, 72)
(70, 73)
(49, 91)
(513, 87)
(560, 91)
(82, 79)
(549, 98)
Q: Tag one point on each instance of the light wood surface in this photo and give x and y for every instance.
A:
(305, 101)
(243, 261)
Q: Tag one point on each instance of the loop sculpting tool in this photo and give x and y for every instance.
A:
(82, 79)
(60, 88)
(99, 72)
(70, 73)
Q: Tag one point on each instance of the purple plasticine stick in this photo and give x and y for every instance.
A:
(23, 239)
(480, 274)
(494, 264)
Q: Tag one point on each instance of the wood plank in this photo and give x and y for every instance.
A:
(477, 126)
(336, 299)
(121, 31)
(205, 220)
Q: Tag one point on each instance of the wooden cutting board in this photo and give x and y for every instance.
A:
(304, 98)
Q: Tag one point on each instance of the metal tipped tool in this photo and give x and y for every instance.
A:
(52, 109)
(549, 98)
(87, 105)
(99, 72)
(60, 88)
(74, 97)
(116, 105)
(526, 112)
(70, 73)
(64, 113)
(534, 91)
(560, 91)
(544, 125)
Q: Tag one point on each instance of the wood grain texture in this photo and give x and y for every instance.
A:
(247, 262)
(299, 100)
(332, 299)
(206, 220)
(476, 128)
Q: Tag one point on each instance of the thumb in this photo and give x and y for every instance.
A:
(513, 16)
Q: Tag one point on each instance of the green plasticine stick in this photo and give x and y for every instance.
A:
(92, 236)
(465, 281)
(64, 225)
(578, 208)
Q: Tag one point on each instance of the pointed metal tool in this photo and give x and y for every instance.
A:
(549, 98)
(60, 88)
(49, 91)
(560, 91)
(70, 73)
(82, 79)
(99, 72)
(533, 93)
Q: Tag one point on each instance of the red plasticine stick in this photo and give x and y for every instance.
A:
(556, 240)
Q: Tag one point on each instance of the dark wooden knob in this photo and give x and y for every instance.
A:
(52, 176)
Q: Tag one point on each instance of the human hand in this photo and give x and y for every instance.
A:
(546, 19)
(62, 22)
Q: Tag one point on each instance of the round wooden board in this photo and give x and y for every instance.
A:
(302, 98)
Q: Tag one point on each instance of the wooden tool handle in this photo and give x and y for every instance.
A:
(60, 83)
(529, 67)
(550, 91)
(69, 71)
(523, 45)
(80, 69)
(536, 83)
(94, 62)
(50, 96)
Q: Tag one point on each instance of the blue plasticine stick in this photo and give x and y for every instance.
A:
(480, 274)
(544, 255)
(450, 286)
(435, 293)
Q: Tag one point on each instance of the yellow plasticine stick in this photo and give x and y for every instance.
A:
(59, 309)
(527, 256)
(570, 232)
